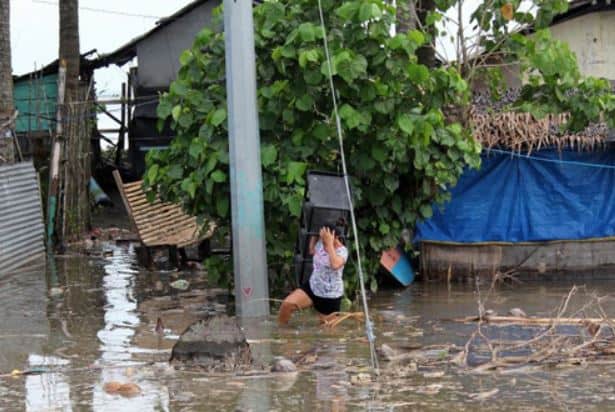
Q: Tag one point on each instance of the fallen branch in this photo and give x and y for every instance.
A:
(517, 320)
(336, 318)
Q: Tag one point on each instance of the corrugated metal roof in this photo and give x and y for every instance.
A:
(21, 218)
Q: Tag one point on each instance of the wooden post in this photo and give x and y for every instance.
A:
(54, 167)
(120, 139)
(128, 107)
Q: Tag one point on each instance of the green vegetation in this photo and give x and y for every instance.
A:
(404, 148)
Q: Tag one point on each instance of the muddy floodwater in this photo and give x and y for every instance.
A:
(87, 321)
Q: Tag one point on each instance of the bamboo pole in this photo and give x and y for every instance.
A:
(54, 168)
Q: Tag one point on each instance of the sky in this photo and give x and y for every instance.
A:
(103, 25)
(34, 31)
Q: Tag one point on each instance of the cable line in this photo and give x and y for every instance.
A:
(369, 331)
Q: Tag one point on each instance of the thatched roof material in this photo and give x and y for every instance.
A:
(523, 132)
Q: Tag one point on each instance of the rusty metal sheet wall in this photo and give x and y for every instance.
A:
(21, 218)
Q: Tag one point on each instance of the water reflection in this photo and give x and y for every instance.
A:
(47, 391)
(116, 338)
(24, 325)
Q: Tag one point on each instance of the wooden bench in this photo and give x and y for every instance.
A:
(160, 224)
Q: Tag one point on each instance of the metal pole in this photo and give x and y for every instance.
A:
(249, 253)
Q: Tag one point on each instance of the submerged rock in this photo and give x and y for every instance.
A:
(214, 342)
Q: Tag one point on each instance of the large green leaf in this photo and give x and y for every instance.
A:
(218, 117)
(296, 170)
(269, 154)
(307, 32)
(294, 205)
(222, 204)
(218, 176)
(304, 103)
(406, 124)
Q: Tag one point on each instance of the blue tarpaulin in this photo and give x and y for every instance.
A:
(548, 195)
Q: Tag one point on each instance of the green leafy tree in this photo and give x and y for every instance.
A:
(404, 147)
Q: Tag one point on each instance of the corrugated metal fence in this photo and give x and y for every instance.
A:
(21, 218)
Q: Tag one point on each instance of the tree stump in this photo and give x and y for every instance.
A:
(217, 342)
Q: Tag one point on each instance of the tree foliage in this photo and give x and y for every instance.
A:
(403, 150)
(514, 35)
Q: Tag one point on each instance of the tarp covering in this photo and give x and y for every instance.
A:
(548, 195)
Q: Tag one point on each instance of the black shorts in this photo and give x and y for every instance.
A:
(324, 306)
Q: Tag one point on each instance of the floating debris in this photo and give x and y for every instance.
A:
(361, 379)
(111, 387)
(180, 284)
(490, 312)
(124, 389)
(159, 327)
(517, 312)
(434, 374)
(283, 365)
(386, 352)
(56, 292)
(432, 389)
(481, 396)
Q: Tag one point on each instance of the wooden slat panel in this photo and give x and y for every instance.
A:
(173, 218)
(147, 207)
(158, 223)
(130, 186)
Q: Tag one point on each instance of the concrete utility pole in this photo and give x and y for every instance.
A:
(249, 251)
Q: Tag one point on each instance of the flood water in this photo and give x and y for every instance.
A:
(86, 321)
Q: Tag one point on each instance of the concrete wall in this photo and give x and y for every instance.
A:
(592, 38)
(158, 55)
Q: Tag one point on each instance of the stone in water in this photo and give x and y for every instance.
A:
(216, 341)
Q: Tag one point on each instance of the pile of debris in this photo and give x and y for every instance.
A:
(570, 337)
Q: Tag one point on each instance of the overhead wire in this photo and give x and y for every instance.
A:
(107, 11)
(369, 329)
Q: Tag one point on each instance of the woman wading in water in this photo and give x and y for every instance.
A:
(325, 288)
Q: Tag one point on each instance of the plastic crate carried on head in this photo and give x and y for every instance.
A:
(325, 204)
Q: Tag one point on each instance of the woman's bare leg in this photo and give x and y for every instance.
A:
(297, 300)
